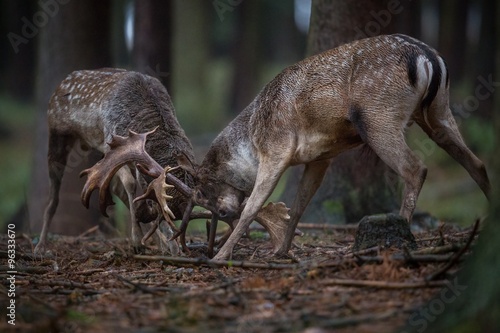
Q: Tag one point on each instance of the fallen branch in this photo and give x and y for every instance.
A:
(181, 261)
(358, 319)
(384, 284)
(58, 283)
(438, 249)
(87, 232)
(27, 269)
(456, 257)
(137, 286)
(413, 258)
(305, 226)
(90, 271)
(84, 292)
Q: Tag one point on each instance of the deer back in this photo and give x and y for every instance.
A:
(319, 107)
(93, 105)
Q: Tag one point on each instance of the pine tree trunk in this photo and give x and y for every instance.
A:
(75, 38)
(153, 39)
(246, 55)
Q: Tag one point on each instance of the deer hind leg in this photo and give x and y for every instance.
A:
(309, 183)
(59, 148)
(442, 129)
(387, 141)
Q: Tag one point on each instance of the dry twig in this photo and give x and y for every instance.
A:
(181, 261)
(384, 284)
(456, 257)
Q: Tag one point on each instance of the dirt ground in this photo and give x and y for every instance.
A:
(93, 284)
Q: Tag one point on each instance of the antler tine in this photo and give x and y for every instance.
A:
(94, 182)
(157, 191)
(123, 150)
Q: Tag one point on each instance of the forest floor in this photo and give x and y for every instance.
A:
(93, 284)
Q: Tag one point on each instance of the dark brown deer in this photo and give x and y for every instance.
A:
(92, 107)
(366, 92)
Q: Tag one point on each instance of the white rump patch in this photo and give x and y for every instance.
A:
(424, 73)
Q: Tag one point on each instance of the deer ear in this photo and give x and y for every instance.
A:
(186, 164)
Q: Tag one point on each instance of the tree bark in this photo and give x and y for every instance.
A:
(487, 51)
(17, 59)
(246, 55)
(357, 183)
(453, 35)
(152, 39)
(77, 37)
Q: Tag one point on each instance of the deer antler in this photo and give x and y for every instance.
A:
(157, 191)
(275, 219)
(124, 150)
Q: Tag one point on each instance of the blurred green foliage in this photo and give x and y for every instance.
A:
(16, 145)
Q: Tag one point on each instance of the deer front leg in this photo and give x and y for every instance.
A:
(267, 178)
(309, 183)
(123, 185)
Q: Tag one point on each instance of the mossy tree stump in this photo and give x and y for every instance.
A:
(385, 230)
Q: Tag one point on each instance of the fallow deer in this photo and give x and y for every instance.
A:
(94, 107)
(364, 92)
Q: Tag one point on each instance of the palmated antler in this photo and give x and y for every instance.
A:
(275, 219)
(124, 150)
(157, 191)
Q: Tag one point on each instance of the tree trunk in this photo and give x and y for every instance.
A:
(357, 183)
(120, 46)
(18, 60)
(76, 38)
(408, 22)
(246, 55)
(487, 51)
(152, 39)
(452, 36)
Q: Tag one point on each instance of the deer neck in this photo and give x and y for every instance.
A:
(233, 157)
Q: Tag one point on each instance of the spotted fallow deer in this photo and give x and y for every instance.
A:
(95, 107)
(364, 92)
